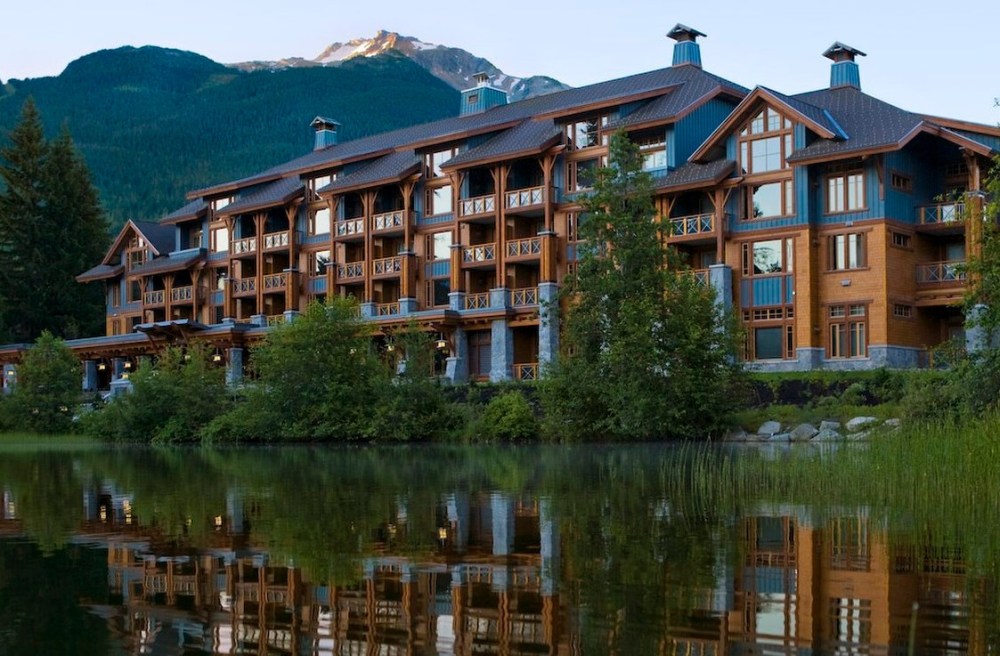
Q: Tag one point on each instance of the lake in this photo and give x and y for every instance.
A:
(583, 550)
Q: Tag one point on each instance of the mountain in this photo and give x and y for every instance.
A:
(453, 65)
(153, 123)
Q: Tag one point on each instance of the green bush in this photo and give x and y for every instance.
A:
(47, 391)
(507, 416)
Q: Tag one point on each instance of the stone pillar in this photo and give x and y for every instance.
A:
(499, 298)
(457, 364)
(456, 301)
(117, 368)
(90, 375)
(502, 512)
(408, 306)
(9, 378)
(291, 315)
(259, 320)
(720, 277)
(234, 366)
(502, 351)
(548, 324)
(458, 516)
(548, 526)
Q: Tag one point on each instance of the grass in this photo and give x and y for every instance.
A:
(791, 416)
(36, 442)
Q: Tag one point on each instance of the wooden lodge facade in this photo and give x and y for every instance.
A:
(834, 223)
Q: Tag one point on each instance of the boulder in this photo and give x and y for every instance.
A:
(827, 435)
(861, 436)
(781, 437)
(803, 433)
(893, 423)
(735, 435)
(769, 428)
(858, 423)
(829, 425)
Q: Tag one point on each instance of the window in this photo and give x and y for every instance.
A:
(902, 240)
(845, 191)
(901, 182)
(114, 296)
(848, 336)
(847, 251)
(433, 161)
(585, 133)
(765, 143)
(134, 291)
(317, 183)
(581, 173)
(654, 152)
(767, 343)
(319, 221)
(220, 203)
(135, 259)
(318, 263)
(480, 353)
(764, 257)
(439, 200)
(770, 200)
(439, 246)
(901, 311)
(472, 98)
(220, 240)
(438, 290)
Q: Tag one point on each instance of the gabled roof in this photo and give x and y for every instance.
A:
(192, 210)
(272, 194)
(100, 272)
(159, 238)
(528, 138)
(384, 170)
(173, 262)
(563, 103)
(693, 175)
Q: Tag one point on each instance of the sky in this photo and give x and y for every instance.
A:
(931, 57)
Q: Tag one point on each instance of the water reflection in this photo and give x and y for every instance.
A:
(510, 551)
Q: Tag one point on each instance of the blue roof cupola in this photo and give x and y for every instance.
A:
(326, 132)
(844, 72)
(686, 50)
(481, 97)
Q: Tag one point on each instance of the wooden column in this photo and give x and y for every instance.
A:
(168, 286)
(228, 304)
(721, 197)
(974, 211)
(460, 240)
(258, 221)
(499, 174)
(331, 270)
(409, 280)
(292, 288)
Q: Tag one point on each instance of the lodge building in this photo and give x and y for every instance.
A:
(834, 223)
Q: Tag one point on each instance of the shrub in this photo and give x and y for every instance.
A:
(47, 391)
(507, 416)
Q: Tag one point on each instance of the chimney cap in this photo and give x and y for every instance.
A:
(682, 32)
(324, 123)
(842, 52)
(482, 78)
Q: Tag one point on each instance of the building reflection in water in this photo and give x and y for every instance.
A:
(494, 583)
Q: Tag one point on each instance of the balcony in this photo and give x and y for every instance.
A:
(387, 266)
(182, 294)
(940, 214)
(524, 297)
(388, 221)
(526, 371)
(153, 298)
(480, 301)
(692, 225)
(274, 282)
(479, 254)
(478, 205)
(531, 247)
(700, 275)
(275, 320)
(934, 273)
(275, 240)
(386, 309)
(351, 271)
(350, 228)
(244, 246)
(244, 286)
(530, 198)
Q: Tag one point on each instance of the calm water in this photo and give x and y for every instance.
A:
(596, 550)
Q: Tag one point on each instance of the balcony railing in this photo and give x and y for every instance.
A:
(244, 285)
(941, 272)
(388, 220)
(525, 197)
(387, 266)
(480, 301)
(387, 309)
(350, 227)
(524, 297)
(700, 275)
(276, 240)
(479, 253)
(275, 281)
(351, 270)
(696, 224)
(478, 205)
(181, 294)
(244, 246)
(275, 319)
(940, 213)
(526, 371)
(523, 247)
(153, 298)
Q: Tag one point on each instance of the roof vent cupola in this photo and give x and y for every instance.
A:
(326, 132)
(686, 50)
(844, 72)
(481, 97)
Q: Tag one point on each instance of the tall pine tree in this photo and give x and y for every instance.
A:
(51, 228)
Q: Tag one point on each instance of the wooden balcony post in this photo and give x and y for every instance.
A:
(500, 188)
(368, 206)
(547, 162)
(719, 200)
(259, 221)
(974, 200)
(409, 280)
(292, 286)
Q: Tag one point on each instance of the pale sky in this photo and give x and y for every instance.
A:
(930, 57)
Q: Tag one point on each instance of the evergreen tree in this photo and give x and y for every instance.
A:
(51, 228)
(649, 353)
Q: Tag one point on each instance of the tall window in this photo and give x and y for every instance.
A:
(770, 310)
(848, 334)
(769, 256)
(433, 161)
(765, 143)
(586, 133)
(439, 245)
(845, 190)
(581, 173)
(439, 200)
(847, 251)
(654, 152)
(317, 183)
(770, 200)
(318, 263)
(319, 221)
(220, 240)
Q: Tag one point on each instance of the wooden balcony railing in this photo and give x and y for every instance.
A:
(524, 297)
(940, 213)
(351, 270)
(525, 197)
(479, 253)
(275, 319)
(696, 224)
(480, 301)
(182, 294)
(387, 309)
(523, 247)
(700, 275)
(275, 281)
(388, 220)
(350, 227)
(244, 285)
(387, 266)
(244, 246)
(478, 205)
(153, 298)
(276, 240)
(941, 272)
(526, 371)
